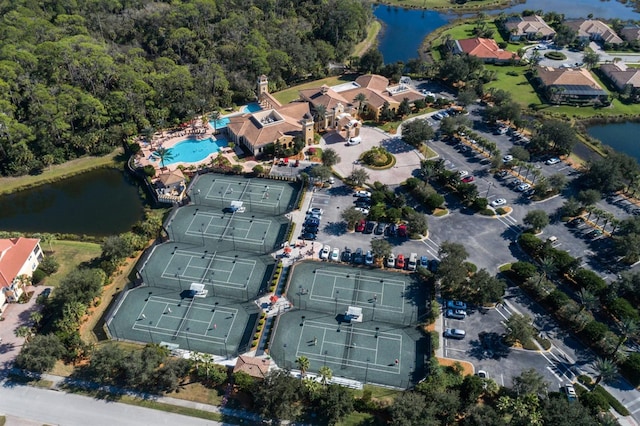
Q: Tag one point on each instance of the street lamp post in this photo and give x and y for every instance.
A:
(226, 352)
(336, 306)
(488, 188)
(284, 355)
(366, 372)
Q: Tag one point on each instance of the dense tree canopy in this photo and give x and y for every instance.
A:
(80, 77)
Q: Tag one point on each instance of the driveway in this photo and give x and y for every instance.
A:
(574, 58)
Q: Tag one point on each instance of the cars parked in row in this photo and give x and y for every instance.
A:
(455, 333)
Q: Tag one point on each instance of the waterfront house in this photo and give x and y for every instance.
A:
(528, 28)
(19, 257)
(485, 49)
(621, 76)
(593, 30)
(573, 86)
(630, 33)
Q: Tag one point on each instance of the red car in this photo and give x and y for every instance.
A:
(402, 231)
(360, 225)
(400, 261)
(467, 179)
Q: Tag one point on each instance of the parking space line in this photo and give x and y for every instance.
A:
(554, 373)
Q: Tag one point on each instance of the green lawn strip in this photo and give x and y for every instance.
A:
(69, 254)
(357, 418)
(175, 409)
(615, 404)
(371, 40)
(24, 380)
(291, 94)
(61, 171)
(444, 4)
(377, 392)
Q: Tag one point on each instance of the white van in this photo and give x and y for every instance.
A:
(413, 262)
(354, 140)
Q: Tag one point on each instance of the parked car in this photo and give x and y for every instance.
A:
(498, 202)
(462, 173)
(575, 222)
(393, 230)
(354, 141)
(507, 158)
(363, 203)
(369, 227)
(362, 210)
(312, 222)
(324, 253)
(308, 236)
(346, 255)
(310, 228)
(454, 333)
(412, 265)
(380, 228)
(424, 262)
(45, 293)
(358, 257)
(368, 258)
(552, 161)
(360, 225)
(365, 194)
(400, 264)
(468, 179)
(391, 261)
(482, 374)
(458, 314)
(315, 211)
(433, 265)
(570, 391)
(335, 255)
(523, 187)
(456, 304)
(402, 231)
(501, 173)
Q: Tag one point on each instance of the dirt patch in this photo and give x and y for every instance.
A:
(467, 367)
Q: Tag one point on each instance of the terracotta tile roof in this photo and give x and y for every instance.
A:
(374, 82)
(484, 48)
(14, 252)
(593, 28)
(324, 96)
(620, 75)
(255, 367)
(567, 77)
(524, 25)
(171, 178)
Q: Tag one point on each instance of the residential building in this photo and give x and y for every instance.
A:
(254, 367)
(485, 49)
(528, 28)
(574, 86)
(620, 75)
(19, 257)
(630, 32)
(595, 30)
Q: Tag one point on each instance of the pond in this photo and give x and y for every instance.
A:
(100, 202)
(619, 136)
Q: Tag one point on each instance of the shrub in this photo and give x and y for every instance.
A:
(594, 331)
(49, 265)
(258, 169)
(556, 56)
(524, 270)
(595, 402)
(500, 211)
(149, 170)
(530, 243)
(38, 276)
(622, 309)
(557, 299)
(480, 203)
(611, 400)
(631, 368)
(589, 280)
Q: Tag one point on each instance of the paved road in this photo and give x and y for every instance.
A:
(52, 407)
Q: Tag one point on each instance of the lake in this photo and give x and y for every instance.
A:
(619, 136)
(100, 202)
(404, 29)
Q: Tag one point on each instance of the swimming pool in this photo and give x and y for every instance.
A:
(252, 107)
(220, 123)
(193, 150)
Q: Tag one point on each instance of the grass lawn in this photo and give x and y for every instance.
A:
(196, 392)
(291, 94)
(70, 254)
(372, 34)
(357, 418)
(60, 171)
(379, 393)
(444, 4)
(185, 411)
(516, 85)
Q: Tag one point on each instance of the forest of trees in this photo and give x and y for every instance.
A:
(78, 78)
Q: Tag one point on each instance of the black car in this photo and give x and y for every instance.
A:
(576, 222)
(312, 222)
(380, 228)
(369, 227)
(393, 230)
(346, 255)
(358, 257)
(308, 236)
(45, 293)
(310, 230)
(363, 203)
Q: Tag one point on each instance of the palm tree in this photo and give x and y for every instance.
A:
(588, 300)
(325, 374)
(303, 364)
(164, 154)
(627, 328)
(23, 332)
(548, 266)
(320, 116)
(606, 370)
(36, 317)
(361, 98)
(214, 116)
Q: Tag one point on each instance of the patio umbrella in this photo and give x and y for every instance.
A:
(273, 299)
(287, 249)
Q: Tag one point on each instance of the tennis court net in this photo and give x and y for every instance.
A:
(184, 318)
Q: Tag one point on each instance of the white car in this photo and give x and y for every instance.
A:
(324, 253)
(552, 161)
(354, 141)
(362, 210)
(498, 202)
(462, 173)
(483, 374)
(507, 158)
(391, 261)
(335, 255)
(362, 194)
(317, 211)
(523, 187)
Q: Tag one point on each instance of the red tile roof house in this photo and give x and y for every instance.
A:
(19, 257)
(483, 48)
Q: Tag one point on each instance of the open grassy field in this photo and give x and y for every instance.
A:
(61, 171)
(70, 254)
(516, 85)
(372, 34)
(291, 94)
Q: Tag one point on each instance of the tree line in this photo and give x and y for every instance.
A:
(79, 78)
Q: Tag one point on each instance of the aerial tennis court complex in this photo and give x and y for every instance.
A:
(360, 322)
(196, 290)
